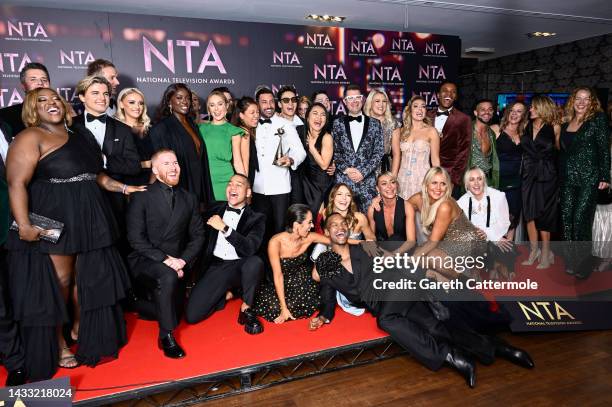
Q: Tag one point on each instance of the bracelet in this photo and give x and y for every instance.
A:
(124, 189)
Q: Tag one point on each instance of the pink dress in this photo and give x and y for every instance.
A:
(413, 166)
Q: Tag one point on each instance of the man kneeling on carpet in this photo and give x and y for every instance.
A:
(415, 324)
(234, 236)
(166, 232)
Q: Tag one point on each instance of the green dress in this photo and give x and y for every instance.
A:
(218, 139)
(488, 164)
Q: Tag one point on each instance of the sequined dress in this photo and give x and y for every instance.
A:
(462, 239)
(301, 291)
(413, 167)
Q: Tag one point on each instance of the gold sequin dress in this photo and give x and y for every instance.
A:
(462, 239)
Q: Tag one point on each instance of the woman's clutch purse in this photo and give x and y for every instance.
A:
(52, 228)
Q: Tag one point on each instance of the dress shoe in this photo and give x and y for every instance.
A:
(170, 347)
(251, 323)
(16, 377)
(464, 365)
(514, 355)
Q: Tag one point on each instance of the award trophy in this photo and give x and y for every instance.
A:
(279, 150)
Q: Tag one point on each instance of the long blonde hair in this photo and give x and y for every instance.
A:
(407, 117)
(144, 118)
(547, 109)
(388, 120)
(594, 106)
(506, 118)
(429, 210)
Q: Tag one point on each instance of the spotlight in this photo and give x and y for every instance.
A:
(325, 18)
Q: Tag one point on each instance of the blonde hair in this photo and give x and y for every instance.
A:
(429, 210)
(144, 118)
(546, 108)
(407, 117)
(506, 118)
(89, 81)
(594, 106)
(219, 94)
(466, 176)
(29, 113)
(386, 174)
(350, 217)
(388, 120)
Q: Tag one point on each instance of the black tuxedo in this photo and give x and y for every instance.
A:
(208, 294)
(411, 323)
(155, 231)
(12, 116)
(119, 148)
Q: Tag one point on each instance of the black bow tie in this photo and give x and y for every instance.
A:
(442, 113)
(238, 211)
(263, 121)
(91, 117)
(356, 118)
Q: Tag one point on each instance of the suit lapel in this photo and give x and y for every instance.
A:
(109, 137)
(364, 133)
(450, 122)
(347, 131)
(242, 223)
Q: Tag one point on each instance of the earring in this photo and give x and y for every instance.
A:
(170, 109)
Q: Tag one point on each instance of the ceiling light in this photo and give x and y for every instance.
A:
(540, 34)
(325, 18)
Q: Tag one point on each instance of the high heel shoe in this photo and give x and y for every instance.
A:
(533, 256)
(546, 263)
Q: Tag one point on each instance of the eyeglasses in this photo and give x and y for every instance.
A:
(290, 100)
(355, 98)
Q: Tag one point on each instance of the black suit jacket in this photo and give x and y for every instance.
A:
(12, 116)
(119, 148)
(247, 237)
(154, 230)
(350, 285)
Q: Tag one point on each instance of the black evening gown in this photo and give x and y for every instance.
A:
(64, 188)
(195, 174)
(145, 152)
(510, 158)
(540, 186)
(315, 181)
(301, 291)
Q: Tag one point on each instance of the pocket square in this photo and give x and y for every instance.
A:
(116, 139)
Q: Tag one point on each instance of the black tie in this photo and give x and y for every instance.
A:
(91, 117)
(173, 200)
(357, 118)
(442, 113)
(263, 121)
(238, 211)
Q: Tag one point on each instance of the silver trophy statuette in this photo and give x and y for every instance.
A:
(279, 150)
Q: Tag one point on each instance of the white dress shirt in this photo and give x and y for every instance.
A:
(3, 146)
(357, 131)
(272, 179)
(98, 129)
(224, 249)
(499, 220)
(441, 121)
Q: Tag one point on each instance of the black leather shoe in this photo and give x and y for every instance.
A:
(251, 323)
(464, 365)
(170, 347)
(514, 355)
(16, 378)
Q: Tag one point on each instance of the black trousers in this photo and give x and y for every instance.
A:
(208, 295)
(11, 349)
(166, 293)
(275, 208)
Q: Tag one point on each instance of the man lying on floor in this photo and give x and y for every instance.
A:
(415, 325)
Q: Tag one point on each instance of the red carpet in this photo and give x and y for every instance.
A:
(212, 346)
